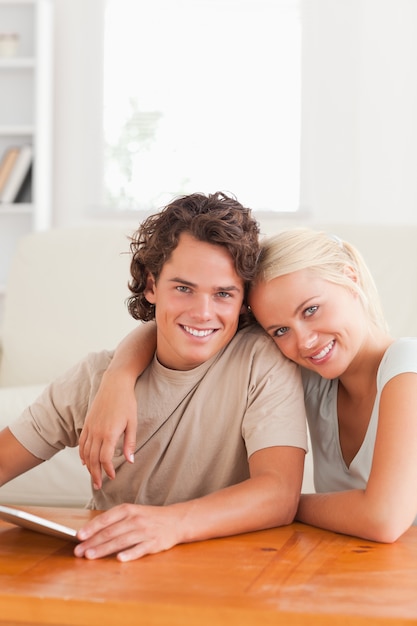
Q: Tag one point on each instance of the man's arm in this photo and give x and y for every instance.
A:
(14, 458)
(267, 499)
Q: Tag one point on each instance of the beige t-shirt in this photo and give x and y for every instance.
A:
(196, 429)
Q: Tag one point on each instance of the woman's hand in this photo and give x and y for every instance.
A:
(112, 414)
(114, 408)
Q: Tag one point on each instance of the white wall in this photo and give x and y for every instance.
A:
(359, 138)
(359, 127)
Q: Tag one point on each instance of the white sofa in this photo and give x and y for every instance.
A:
(66, 296)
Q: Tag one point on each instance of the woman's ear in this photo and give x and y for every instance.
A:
(351, 273)
(150, 290)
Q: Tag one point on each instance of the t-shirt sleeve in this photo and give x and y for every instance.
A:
(55, 419)
(275, 414)
(400, 358)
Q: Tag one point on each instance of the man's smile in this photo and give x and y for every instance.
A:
(195, 332)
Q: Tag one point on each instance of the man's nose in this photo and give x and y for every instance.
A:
(202, 308)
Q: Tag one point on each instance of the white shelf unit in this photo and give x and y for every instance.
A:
(26, 117)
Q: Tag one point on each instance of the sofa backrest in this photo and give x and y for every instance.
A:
(67, 289)
(65, 297)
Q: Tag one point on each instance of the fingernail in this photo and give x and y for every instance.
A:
(132, 458)
(90, 553)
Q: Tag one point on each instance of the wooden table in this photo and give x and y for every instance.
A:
(295, 575)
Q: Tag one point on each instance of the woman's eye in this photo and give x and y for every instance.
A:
(310, 310)
(223, 294)
(279, 332)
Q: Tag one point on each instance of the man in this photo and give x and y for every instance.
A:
(221, 423)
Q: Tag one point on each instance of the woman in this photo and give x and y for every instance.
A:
(316, 298)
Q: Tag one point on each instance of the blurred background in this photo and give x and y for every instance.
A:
(302, 108)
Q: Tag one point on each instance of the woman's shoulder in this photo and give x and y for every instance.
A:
(403, 348)
(315, 384)
(400, 357)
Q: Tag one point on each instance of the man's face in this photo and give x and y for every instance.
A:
(198, 299)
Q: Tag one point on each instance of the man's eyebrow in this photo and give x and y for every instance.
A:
(178, 279)
(230, 288)
(183, 281)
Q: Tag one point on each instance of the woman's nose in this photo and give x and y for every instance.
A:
(308, 340)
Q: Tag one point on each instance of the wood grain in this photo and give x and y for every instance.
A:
(294, 575)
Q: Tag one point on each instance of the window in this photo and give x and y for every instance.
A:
(202, 95)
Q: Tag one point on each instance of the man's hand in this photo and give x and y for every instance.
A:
(130, 531)
(268, 498)
(112, 414)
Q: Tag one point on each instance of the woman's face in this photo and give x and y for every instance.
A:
(315, 323)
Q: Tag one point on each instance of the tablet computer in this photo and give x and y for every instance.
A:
(39, 524)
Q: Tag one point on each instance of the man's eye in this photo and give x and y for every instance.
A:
(310, 310)
(279, 332)
(183, 288)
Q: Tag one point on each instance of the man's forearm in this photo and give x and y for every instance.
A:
(257, 503)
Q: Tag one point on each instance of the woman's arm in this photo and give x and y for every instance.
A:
(388, 506)
(114, 410)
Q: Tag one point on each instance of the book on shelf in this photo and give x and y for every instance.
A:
(25, 192)
(6, 165)
(17, 177)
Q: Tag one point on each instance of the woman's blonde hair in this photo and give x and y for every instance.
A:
(326, 255)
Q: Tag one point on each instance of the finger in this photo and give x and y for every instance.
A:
(86, 447)
(137, 551)
(107, 451)
(128, 545)
(99, 540)
(104, 521)
(129, 444)
(106, 458)
(92, 461)
(82, 445)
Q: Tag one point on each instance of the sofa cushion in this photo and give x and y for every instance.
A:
(62, 481)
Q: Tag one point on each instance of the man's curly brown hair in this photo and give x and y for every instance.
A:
(217, 219)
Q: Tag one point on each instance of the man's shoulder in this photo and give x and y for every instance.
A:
(255, 336)
(253, 333)
(101, 358)
(254, 343)
(91, 366)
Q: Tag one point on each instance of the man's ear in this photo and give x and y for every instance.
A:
(149, 291)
